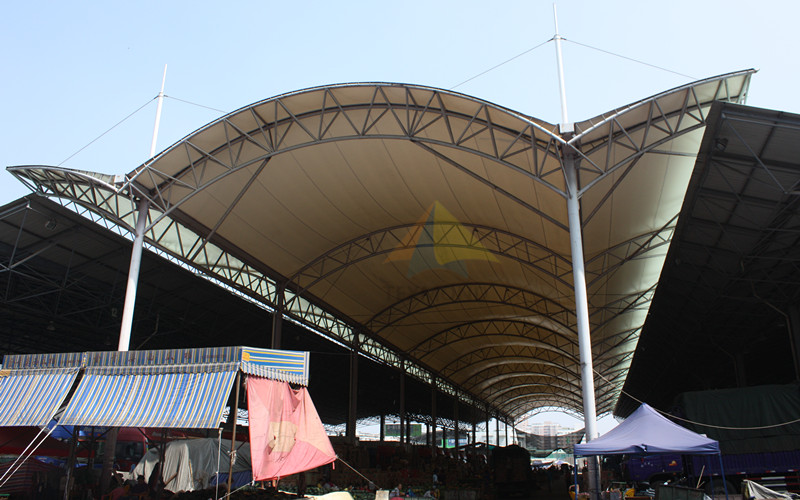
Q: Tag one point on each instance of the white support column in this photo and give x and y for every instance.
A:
(581, 309)
(133, 277)
(570, 166)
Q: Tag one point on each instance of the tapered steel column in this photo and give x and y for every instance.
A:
(133, 277)
(581, 308)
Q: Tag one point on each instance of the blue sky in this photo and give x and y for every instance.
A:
(72, 70)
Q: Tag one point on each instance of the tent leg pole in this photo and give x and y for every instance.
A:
(722, 472)
(575, 475)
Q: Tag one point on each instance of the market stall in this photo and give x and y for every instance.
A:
(648, 432)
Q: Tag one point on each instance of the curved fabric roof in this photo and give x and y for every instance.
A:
(428, 228)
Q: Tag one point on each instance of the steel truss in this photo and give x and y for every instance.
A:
(608, 149)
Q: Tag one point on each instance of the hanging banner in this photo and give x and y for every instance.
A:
(286, 434)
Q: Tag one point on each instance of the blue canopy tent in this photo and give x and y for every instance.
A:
(648, 432)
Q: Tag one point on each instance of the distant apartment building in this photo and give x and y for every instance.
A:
(542, 438)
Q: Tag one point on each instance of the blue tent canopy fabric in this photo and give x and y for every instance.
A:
(648, 432)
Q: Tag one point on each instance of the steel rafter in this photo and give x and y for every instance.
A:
(468, 364)
(639, 300)
(605, 264)
(284, 131)
(691, 116)
(497, 381)
(375, 243)
(615, 341)
(518, 405)
(463, 293)
(523, 333)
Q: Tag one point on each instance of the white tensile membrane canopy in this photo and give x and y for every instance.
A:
(426, 228)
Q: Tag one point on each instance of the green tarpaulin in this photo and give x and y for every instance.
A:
(759, 407)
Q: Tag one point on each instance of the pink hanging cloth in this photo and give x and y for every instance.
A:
(286, 434)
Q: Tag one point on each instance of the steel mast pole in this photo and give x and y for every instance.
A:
(158, 114)
(561, 89)
(138, 242)
(570, 164)
(132, 286)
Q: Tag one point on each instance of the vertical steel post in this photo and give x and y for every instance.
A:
(581, 310)
(581, 300)
(404, 437)
(433, 416)
(488, 430)
(570, 166)
(352, 413)
(277, 318)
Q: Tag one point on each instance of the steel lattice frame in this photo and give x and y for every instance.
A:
(445, 125)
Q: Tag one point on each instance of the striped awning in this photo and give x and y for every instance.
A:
(179, 388)
(284, 366)
(33, 387)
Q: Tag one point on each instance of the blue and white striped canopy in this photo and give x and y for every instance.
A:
(177, 388)
(181, 400)
(33, 387)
